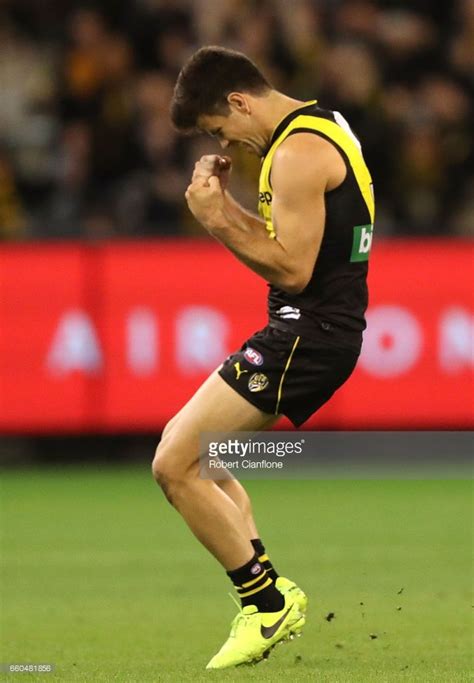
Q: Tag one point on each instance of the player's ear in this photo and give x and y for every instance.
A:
(239, 102)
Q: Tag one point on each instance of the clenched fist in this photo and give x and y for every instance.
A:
(205, 194)
(213, 165)
(206, 201)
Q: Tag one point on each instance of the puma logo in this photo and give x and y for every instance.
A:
(238, 371)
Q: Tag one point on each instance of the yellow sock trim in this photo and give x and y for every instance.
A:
(256, 590)
(263, 558)
(247, 584)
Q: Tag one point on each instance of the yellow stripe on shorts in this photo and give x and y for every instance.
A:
(288, 363)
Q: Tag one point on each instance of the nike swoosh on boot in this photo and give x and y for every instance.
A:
(269, 631)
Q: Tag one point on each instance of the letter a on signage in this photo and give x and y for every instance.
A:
(75, 346)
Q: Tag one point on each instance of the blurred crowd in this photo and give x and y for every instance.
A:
(87, 149)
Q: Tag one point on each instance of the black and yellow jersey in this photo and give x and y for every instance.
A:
(336, 296)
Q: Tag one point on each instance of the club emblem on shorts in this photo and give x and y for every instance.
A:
(258, 382)
(254, 357)
(238, 370)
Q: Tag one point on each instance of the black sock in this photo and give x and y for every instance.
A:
(263, 558)
(255, 587)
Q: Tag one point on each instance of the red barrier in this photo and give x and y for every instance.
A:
(118, 336)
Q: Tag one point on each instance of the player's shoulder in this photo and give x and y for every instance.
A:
(305, 154)
(304, 145)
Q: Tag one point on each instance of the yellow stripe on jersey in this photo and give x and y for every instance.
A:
(342, 139)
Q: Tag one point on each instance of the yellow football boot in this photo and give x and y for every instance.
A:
(287, 587)
(253, 634)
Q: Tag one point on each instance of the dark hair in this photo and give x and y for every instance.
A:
(206, 79)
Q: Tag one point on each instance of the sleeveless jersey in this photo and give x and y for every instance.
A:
(336, 296)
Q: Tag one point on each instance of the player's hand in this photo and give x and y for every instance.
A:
(213, 165)
(205, 198)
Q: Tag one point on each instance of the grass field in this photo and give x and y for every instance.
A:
(101, 578)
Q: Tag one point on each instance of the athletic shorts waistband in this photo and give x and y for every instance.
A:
(325, 332)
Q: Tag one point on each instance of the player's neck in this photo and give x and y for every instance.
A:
(277, 107)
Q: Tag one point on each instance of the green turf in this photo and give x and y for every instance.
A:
(101, 578)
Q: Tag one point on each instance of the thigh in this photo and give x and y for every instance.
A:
(215, 407)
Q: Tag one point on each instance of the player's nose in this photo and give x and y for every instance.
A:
(224, 143)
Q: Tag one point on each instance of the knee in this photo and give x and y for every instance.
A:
(161, 466)
(162, 472)
(162, 457)
(166, 469)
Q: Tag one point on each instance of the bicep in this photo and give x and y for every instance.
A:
(299, 223)
(298, 210)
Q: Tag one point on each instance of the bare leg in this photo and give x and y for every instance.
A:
(239, 495)
(215, 518)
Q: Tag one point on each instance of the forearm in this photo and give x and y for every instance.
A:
(245, 235)
(240, 215)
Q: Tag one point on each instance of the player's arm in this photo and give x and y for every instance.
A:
(240, 215)
(215, 164)
(300, 174)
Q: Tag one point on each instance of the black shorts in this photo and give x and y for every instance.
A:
(282, 373)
